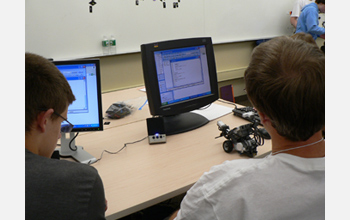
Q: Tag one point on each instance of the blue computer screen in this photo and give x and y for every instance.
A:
(83, 113)
(182, 74)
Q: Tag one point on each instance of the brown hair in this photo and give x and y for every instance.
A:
(305, 37)
(45, 88)
(286, 81)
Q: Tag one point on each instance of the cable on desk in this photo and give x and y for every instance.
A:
(258, 138)
(110, 152)
(227, 102)
(70, 143)
(143, 104)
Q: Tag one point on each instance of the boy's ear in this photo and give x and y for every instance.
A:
(43, 119)
(264, 118)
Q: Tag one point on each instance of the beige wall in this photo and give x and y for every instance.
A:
(121, 71)
(125, 71)
(231, 61)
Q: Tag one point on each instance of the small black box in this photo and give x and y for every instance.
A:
(156, 131)
(55, 155)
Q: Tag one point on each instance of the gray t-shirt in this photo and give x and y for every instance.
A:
(57, 189)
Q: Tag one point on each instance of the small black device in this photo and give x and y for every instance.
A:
(249, 110)
(118, 110)
(240, 138)
(55, 155)
(92, 3)
(156, 131)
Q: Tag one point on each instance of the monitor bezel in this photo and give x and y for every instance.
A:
(151, 81)
(99, 91)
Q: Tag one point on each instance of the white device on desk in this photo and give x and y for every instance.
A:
(156, 131)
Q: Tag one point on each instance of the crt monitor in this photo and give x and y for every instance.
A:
(85, 113)
(180, 76)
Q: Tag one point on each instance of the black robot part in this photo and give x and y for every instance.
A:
(244, 139)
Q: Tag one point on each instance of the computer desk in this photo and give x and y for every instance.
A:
(142, 175)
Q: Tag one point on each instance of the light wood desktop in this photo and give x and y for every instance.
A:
(142, 175)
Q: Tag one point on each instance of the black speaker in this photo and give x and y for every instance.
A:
(156, 131)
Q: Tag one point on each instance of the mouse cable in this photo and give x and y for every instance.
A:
(110, 152)
(227, 102)
(70, 143)
(257, 137)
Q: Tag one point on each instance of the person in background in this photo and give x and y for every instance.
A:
(285, 82)
(54, 189)
(298, 5)
(308, 19)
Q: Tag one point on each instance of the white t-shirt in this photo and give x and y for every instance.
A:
(298, 5)
(276, 187)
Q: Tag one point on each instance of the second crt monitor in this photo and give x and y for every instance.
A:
(180, 76)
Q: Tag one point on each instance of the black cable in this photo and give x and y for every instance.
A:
(227, 102)
(258, 138)
(70, 147)
(125, 145)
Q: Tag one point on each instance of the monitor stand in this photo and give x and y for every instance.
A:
(183, 122)
(79, 154)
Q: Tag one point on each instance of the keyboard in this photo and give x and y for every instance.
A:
(240, 111)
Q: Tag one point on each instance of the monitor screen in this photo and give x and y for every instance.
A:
(180, 76)
(83, 76)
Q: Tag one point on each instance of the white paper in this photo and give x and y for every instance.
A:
(214, 111)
